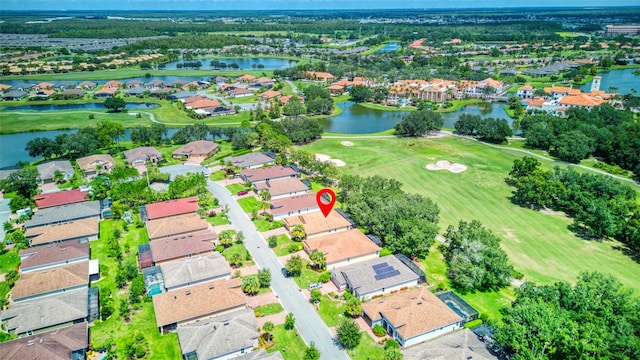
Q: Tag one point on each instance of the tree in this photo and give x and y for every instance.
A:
(225, 238)
(418, 123)
(23, 182)
(273, 241)
(114, 104)
(11, 277)
(265, 195)
(293, 107)
(393, 354)
(42, 146)
(264, 277)
(572, 146)
(475, 259)
(360, 93)
(250, 284)
(354, 307)
(312, 353)
(318, 258)
(298, 233)
(289, 321)
(348, 333)
(268, 327)
(108, 132)
(524, 167)
(294, 265)
(315, 295)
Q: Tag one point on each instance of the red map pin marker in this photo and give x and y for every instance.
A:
(325, 207)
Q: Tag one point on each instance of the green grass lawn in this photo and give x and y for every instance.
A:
(539, 245)
(9, 260)
(217, 175)
(269, 309)
(367, 349)
(289, 343)
(250, 203)
(263, 225)
(331, 311)
(219, 219)
(234, 188)
(283, 245)
(237, 248)
(307, 277)
(143, 319)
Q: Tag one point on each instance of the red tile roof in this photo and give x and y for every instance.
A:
(60, 198)
(172, 207)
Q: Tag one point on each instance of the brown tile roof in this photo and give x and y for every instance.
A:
(562, 89)
(412, 312)
(240, 91)
(198, 301)
(294, 203)
(60, 198)
(202, 103)
(51, 345)
(269, 94)
(318, 75)
(107, 90)
(197, 148)
(51, 254)
(89, 163)
(172, 207)
(175, 225)
(342, 245)
(45, 85)
(582, 100)
(266, 173)
(180, 246)
(285, 99)
(245, 78)
(316, 223)
(282, 186)
(43, 281)
(64, 231)
(112, 84)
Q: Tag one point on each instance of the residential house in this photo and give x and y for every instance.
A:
(269, 95)
(106, 92)
(14, 95)
(318, 75)
(51, 281)
(142, 154)
(438, 90)
(52, 255)
(580, 101)
(155, 84)
(112, 84)
(170, 227)
(65, 213)
(239, 92)
(336, 90)
(342, 248)
(557, 92)
(96, 164)
(199, 102)
(463, 344)
(268, 173)
(194, 270)
(5, 88)
(134, 83)
(47, 171)
(245, 78)
(136, 91)
(251, 160)
(226, 336)
(27, 317)
(285, 99)
(44, 86)
(90, 85)
(42, 93)
(169, 208)
(374, 277)
(81, 230)
(316, 224)
(411, 317)
(200, 149)
(261, 354)
(59, 198)
(144, 256)
(525, 92)
(70, 342)
(182, 246)
(198, 303)
(281, 188)
(74, 92)
(293, 205)
(181, 95)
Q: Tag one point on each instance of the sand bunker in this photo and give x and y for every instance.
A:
(447, 165)
(346, 143)
(327, 158)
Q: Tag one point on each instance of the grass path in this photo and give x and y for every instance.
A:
(539, 245)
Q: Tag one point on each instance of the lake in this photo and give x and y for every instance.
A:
(88, 106)
(12, 145)
(391, 46)
(243, 63)
(624, 80)
(356, 119)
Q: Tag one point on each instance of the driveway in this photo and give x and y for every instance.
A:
(184, 169)
(308, 322)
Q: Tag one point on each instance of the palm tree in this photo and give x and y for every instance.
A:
(318, 258)
(265, 195)
(225, 238)
(298, 233)
(268, 328)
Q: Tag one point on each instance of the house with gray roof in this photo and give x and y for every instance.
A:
(14, 95)
(374, 277)
(136, 90)
(65, 213)
(47, 171)
(26, 317)
(251, 160)
(194, 270)
(142, 154)
(182, 95)
(222, 337)
(66, 343)
(261, 354)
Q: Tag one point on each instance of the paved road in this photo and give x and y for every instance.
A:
(183, 169)
(5, 213)
(308, 322)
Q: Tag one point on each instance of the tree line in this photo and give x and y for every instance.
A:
(601, 207)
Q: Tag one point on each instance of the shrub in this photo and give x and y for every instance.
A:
(473, 323)
(391, 344)
(292, 248)
(325, 277)
(273, 241)
(484, 317)
(385, 252)
(379, 330)
(219, 248)
(517, 274)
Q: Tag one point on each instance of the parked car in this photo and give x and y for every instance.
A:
(285, 272)
(242, 193)
(313, 286)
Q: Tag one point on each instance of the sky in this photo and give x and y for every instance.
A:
(295, 4)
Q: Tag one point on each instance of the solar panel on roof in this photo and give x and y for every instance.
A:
(379, 266)
(387, 274)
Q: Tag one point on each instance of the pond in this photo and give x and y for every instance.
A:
(243, 63)
(88, 106)
(391, 46)
(356, 119)
(623, 80)
(12, 146)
